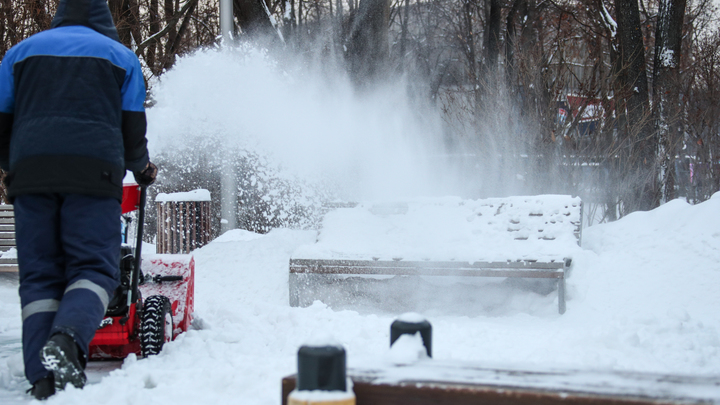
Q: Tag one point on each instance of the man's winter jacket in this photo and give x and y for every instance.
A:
(72, 116)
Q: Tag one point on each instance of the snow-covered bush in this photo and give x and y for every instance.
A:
(264, 196)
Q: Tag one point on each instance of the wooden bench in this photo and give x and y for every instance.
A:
(7, 238)
(526, 237)
(450, 382)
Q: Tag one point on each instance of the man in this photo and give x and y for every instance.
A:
(72, 120)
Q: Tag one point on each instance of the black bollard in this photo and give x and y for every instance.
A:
(321, 368)
(410, 325)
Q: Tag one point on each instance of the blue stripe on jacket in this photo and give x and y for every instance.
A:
(75, 41)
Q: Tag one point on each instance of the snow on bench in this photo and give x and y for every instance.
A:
(531, 237)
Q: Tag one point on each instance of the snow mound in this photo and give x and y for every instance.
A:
(441, 229)
(237, 235)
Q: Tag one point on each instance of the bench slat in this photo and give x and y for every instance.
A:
(379, 264)
(478, 269)
(7, 268)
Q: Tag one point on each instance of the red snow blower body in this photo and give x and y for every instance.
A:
(154, 303)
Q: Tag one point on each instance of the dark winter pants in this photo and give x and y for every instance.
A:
(68, 253)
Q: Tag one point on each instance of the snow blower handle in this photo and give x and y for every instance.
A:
(138, 246)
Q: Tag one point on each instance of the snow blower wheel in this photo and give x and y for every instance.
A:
(156, 325)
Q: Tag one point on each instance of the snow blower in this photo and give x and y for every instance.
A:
(150, 307)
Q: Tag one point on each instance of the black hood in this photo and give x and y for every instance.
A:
(94, 14)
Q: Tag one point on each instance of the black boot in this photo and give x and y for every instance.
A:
(61, 356)
(43, 388)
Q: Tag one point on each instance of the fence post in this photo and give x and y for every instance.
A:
(183, 221)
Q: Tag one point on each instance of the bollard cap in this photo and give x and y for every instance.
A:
(321, 368)
(410, 324)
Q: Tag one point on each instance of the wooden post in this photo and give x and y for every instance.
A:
(183, 221)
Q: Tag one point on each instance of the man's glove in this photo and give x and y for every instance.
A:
(147, 176)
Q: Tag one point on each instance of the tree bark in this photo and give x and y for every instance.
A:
(151, 55)
(368, 45)
(39, 15)
(666, 89)
(174, 44)
(492, 40)
(639, 159)
(254, 19)
(120, 10)
(172, 32)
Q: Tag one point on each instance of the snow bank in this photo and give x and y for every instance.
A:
(494, 229)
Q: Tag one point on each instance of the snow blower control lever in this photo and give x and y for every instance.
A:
(133, 296)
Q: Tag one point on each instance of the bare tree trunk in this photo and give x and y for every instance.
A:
(642, 180)
(666, 88)
(39, 15)
(175, 41)
(492, 40)
(403, 32)
(253, 17)
(169, 14)
(6, 28)
(120, 10)
(368, 45)
(134, 21)
(470, 51)
(519, 8)
(150, 56)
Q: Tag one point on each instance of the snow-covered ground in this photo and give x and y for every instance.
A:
(643, 296)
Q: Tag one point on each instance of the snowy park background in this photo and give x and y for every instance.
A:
(643, 293)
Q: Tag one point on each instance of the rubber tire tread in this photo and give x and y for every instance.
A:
(152, 324)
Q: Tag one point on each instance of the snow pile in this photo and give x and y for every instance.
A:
(237, 235)
(407, 349)
(494, 229)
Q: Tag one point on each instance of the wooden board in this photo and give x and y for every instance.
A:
(532, 269)
(465, 384)
(7, 268)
